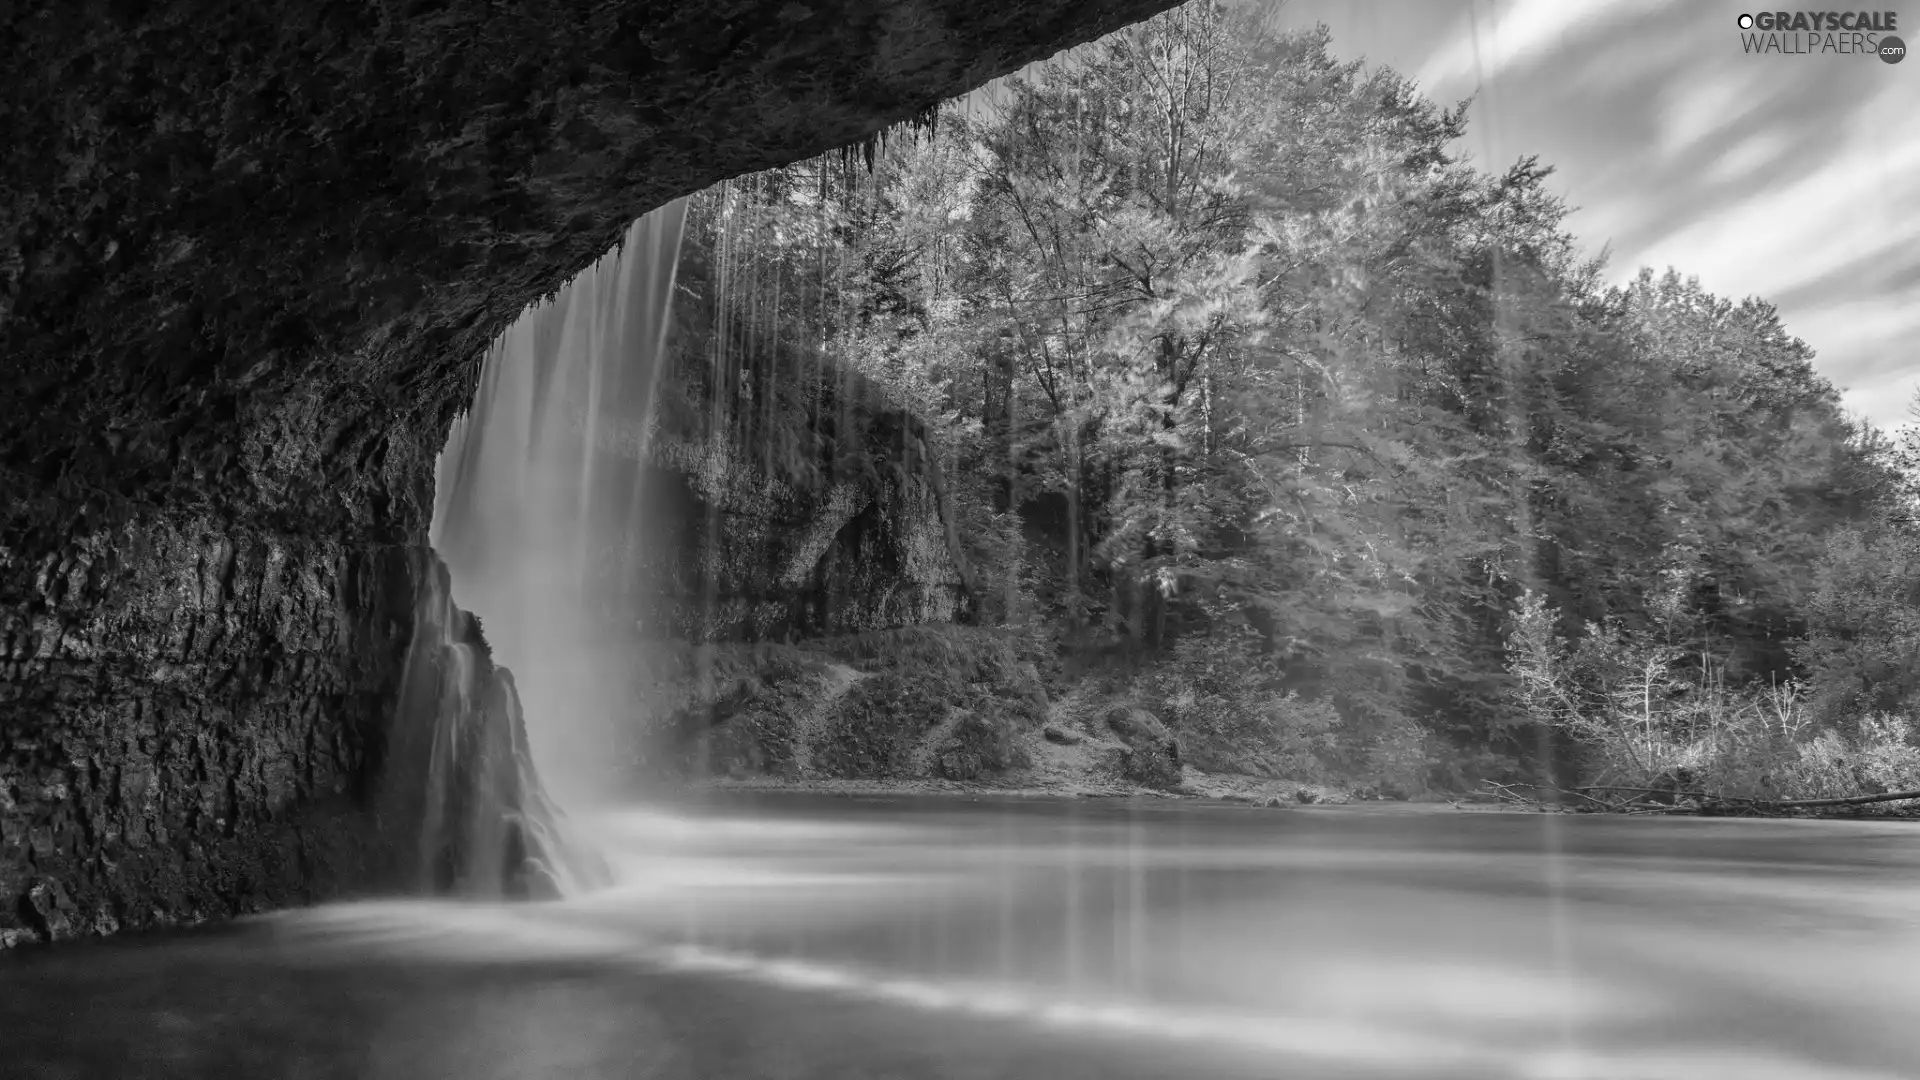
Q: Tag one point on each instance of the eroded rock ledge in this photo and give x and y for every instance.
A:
(249, 255)
(191, 715)
(241, 243)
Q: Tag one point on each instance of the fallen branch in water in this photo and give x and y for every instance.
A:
(1506, 793)
(1674, 792)
(1851, 800)
(1673, 801)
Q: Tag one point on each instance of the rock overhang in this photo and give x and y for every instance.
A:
(251, 254)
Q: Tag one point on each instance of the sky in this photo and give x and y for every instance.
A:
(1795, 178)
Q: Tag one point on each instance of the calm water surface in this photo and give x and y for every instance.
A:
(799, 938)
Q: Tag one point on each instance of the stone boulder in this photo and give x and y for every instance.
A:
(1061, 736)
(978, 747)
(1152, 755)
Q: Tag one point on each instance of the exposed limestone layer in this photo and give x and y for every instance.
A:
(249, 256)
(190, 717)
(458, 777)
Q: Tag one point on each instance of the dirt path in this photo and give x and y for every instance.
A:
(920, 762)
(808, 725)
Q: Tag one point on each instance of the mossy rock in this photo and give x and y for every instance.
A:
(874, 729)
(1152, 756)
(757, 741)
(979, 746)
(1151, 766)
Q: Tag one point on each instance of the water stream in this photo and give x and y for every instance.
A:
(540, 498)
(831, 938)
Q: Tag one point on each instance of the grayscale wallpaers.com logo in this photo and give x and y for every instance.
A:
(1843, 33)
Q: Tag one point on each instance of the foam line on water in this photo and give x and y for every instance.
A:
(451, 932)
(1319, 1037)
(1348, 1042)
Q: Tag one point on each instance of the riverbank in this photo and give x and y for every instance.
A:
(953, 712)
(942, 711)
(1203, 787)
(1055, 776)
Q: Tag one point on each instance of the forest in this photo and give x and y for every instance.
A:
(1251, 398)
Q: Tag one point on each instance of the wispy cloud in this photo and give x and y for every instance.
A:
(1817, 210)
(1795, 178)
(1527, 33)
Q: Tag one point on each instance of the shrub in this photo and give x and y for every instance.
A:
(1231, 716)
(1628, 700)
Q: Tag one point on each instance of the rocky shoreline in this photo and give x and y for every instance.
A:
(925, 711)
(1055, 776)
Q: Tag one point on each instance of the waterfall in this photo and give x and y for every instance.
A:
(486, 826)
(539, 509)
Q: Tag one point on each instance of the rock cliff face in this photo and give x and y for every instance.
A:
(823, 539)
(249, 257)
(192, 714)
(457, 778)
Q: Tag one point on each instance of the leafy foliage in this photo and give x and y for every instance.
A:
(1229, 359)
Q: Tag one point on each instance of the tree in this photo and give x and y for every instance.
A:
(1217, 350)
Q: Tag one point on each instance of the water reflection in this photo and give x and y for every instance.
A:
(808, 938)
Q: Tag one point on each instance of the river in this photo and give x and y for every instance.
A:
(794, 937)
